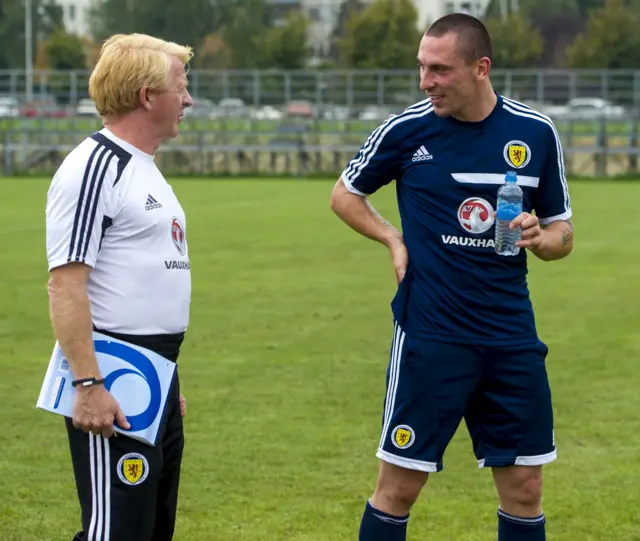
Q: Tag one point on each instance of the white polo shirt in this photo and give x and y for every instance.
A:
(109, 207)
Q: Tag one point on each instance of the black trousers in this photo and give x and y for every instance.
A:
(128, 490)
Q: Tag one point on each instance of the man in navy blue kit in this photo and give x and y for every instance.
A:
(465, 344)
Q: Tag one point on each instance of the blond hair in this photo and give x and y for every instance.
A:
(128, 62)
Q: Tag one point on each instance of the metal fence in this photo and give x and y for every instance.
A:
(300, 147)
(598, 142)
(353, 88)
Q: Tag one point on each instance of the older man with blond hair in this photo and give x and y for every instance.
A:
(119, 265)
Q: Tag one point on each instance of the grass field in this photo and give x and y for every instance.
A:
(284, 367)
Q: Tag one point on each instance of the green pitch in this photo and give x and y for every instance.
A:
(284, 366)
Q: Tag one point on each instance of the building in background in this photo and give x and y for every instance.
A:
(323, 15)
(430, 10)
(76, 16)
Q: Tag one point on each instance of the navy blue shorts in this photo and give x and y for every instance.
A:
(502, 393)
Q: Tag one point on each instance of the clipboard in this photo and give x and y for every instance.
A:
(138, 378)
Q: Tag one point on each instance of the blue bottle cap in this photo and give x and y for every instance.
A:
(511, 176)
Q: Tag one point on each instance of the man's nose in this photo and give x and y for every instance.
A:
(426, 81)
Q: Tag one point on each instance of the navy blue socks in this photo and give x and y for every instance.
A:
(379, 526)
(512, 528)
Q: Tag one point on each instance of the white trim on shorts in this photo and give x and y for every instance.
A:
(536, 460)
(394, 375)
(392, 389)
(408, 463)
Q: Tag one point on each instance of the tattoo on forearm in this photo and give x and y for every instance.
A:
(567, 237)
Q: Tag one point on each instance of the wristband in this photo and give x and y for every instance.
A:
(87, 382)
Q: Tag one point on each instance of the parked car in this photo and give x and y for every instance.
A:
(374, 112)
(301, 108)
(44, 105)
(9, 106)
(268, 112)
(86, 107)
(232, 107)
(586, 109)
(336, 112)
(202, 108)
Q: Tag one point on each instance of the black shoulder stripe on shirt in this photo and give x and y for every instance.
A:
(89, 196)
(123, 155)
(94, 207)
(90, 191)
(107, 222)
(81, 197)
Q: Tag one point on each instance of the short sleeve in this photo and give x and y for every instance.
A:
(78, 210)
(375, 164)
(553, 201)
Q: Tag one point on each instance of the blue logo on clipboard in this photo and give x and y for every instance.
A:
(142, 367)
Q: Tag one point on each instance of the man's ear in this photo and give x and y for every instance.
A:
(483, 68)
(146, 97)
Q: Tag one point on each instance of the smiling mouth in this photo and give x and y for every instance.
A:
(436, 98)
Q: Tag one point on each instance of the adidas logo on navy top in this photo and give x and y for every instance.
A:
(152, 203)
(422, 154)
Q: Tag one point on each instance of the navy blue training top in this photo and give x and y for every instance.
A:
(447, 176)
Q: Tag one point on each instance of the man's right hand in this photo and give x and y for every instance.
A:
(399, 257)
(95, 409)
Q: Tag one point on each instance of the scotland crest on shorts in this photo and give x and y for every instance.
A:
(133, 468)
(403, 436)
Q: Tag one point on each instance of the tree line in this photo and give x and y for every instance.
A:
(383, 34)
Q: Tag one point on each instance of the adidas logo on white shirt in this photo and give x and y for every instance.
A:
(152, 203)
(421, 155)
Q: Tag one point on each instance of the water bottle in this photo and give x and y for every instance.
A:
(509, 207)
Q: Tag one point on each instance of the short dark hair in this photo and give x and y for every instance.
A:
(473, 37)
